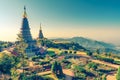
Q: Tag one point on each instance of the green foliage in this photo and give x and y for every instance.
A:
(47, 78)
(70, 52)
(80, 76)
(117, 62)
(54, 68)
(44, 42)
(92, 65)
(98, 51)
(5, 44)
(79, 73)
(70, 45)
(104, 78)
(59, 72)
(34, 77)
(75, 52)
(64, 52)
(44, 62)
(89, 53)
(66, 61)
(21, 45)
(79, 69)
(22, 76)
(7, 62)
(57, 69)
(108, 54)
(0, 48)
(14, 74)
(68, 66)
(105, 59)
(9, 65)
(35, 58)
(51, 53)
(118, 74)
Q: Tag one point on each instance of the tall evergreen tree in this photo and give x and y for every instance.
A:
(54, 67)
(57, 68)
(118, 74)
(21, 46)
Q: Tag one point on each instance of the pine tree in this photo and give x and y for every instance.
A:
(60, 69)
(104, 78)
(21, 46)
(118, 74)
(57, 68)
(53, 68)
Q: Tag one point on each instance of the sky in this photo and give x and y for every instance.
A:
(95, 19)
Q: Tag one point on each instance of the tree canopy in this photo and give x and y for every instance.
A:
(57, 69)
(7, 62)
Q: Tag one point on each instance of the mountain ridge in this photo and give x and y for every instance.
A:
(91, 44)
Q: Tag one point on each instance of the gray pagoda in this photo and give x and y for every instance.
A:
(40, 33)
(25, 30)
(26, 34)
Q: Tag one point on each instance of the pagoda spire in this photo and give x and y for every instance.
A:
(40, 27)
(24, 14)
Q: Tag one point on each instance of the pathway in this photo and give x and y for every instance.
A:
(106, 63)
(111, 76)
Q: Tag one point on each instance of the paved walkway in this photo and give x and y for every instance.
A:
(111, 76)
(44, 73)
(106, 63)
(68, 73)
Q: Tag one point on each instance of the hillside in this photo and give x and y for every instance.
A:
(92, 45)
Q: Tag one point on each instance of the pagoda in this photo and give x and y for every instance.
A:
(25, 29)
(40, 33)
(26, 35)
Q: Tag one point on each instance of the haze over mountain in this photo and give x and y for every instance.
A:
(92, 45)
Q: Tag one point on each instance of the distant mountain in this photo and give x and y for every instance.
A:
(89, 43)
(92, 45)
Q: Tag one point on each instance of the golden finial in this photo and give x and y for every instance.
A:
(25, 14)
(40, 27)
